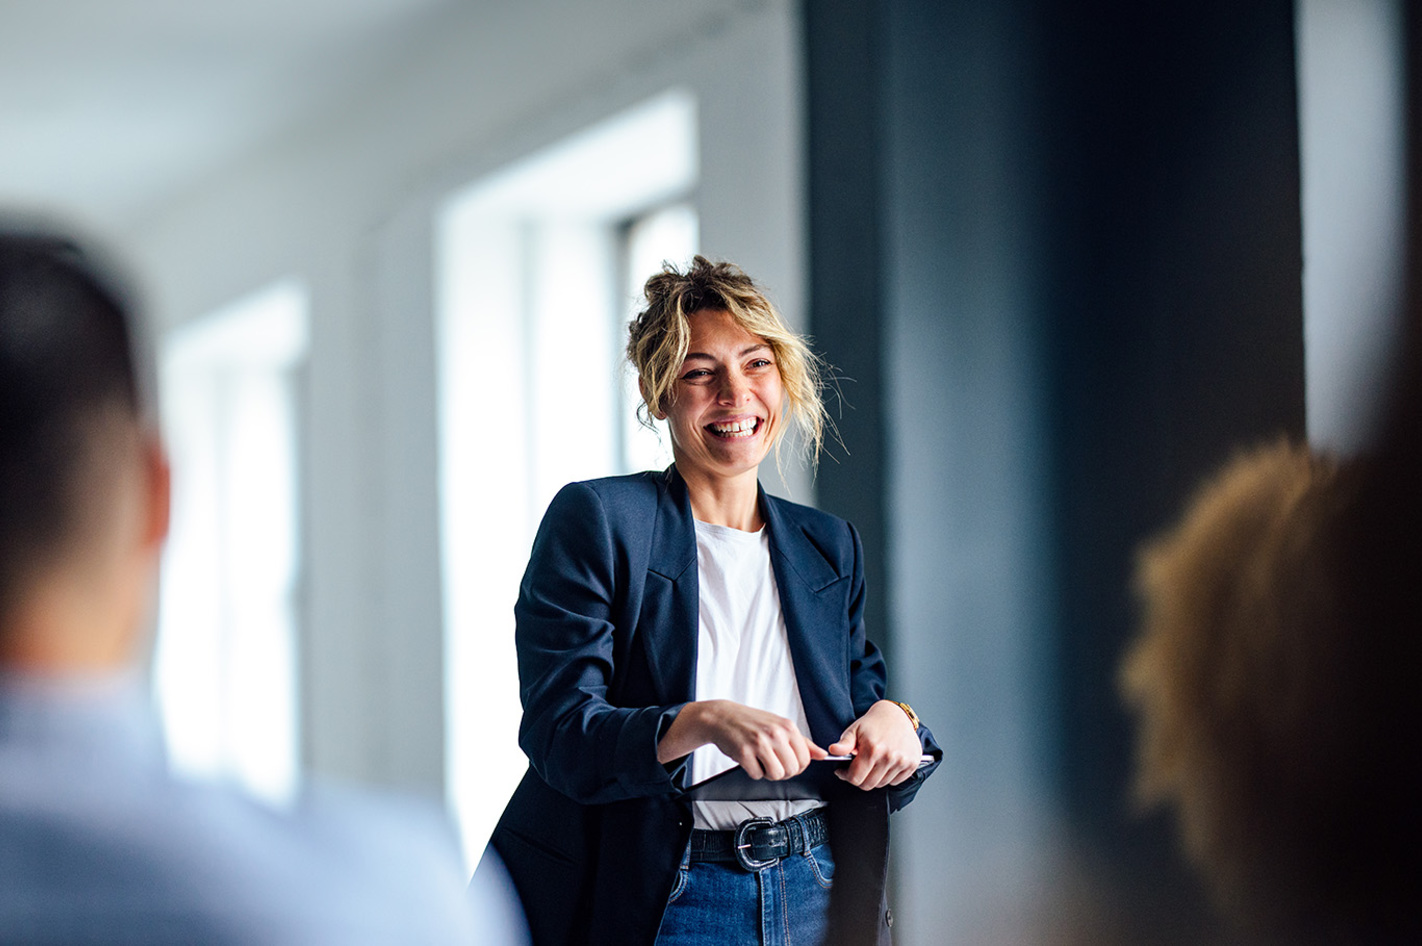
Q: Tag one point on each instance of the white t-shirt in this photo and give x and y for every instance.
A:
(743, 654)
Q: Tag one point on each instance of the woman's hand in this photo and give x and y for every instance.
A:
(885, 746)
(764, 744)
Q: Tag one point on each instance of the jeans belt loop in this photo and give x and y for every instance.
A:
(794, 832)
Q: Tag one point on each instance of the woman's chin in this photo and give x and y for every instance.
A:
(724, 461)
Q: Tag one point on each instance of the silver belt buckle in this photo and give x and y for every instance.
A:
(743, 846)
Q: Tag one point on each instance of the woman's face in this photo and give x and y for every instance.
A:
(726, 411)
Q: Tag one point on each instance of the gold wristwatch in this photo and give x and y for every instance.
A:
(913, 717)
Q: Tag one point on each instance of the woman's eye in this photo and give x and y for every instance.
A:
(760, 363)
(696, 374)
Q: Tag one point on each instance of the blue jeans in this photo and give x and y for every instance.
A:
(786, 904)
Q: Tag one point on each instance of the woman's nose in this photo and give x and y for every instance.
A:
(734, 388)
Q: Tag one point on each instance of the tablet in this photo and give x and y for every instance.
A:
(735, 785)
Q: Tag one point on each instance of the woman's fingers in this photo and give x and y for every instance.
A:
(886, 748)
(891, 772)
(764, 744)
(846, 744)
(766, 751)
(782, 753)
(877, 768)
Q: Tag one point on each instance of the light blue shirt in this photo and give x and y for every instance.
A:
(99, 843)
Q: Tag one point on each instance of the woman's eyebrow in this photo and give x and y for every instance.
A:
(741, 354)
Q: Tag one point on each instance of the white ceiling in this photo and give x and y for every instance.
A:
(109, 107)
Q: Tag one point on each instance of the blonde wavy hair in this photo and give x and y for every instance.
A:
(659, 336)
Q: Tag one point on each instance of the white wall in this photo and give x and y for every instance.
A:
(1351, 107)
(347, 205)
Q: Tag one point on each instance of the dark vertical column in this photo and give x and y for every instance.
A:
(969, 550)
(1412, 36)
(1176, 325)
(844, 170)
(1058, 246)
(1403, 414)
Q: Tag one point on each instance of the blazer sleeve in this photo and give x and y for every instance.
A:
(868, 679)
(867, 673)
(578, 742)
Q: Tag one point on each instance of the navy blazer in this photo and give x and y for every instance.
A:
(607, 621)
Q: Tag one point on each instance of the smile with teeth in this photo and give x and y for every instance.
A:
(735, 429)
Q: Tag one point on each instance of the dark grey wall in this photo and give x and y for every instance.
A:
(845, 74)
(1412, 39)
(1175, 321)
(1058, 245)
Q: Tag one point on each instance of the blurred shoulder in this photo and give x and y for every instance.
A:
(171, 859)
(372, 867)
(343, 862)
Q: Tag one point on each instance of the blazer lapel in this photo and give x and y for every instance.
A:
(813, 602)
(670, 603)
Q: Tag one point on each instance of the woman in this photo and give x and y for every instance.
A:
(673, 624)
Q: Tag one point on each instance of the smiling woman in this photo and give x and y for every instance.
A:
(669, 349)
(642, 675)
(723, 413)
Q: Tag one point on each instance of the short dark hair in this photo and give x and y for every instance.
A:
(66, 355)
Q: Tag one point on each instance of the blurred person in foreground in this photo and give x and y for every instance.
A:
(1279, 697)
(98, 842)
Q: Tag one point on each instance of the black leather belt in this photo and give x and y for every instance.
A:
(760, 843)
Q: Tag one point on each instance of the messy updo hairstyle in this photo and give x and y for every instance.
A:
(660, 335)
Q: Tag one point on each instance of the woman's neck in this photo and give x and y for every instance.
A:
(726, 502)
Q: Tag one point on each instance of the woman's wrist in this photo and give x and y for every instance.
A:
(685, 734)
(895, 709)
(908, 711)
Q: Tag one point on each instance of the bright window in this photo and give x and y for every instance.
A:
(534, 296)
(665, 234)
(225, 660)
